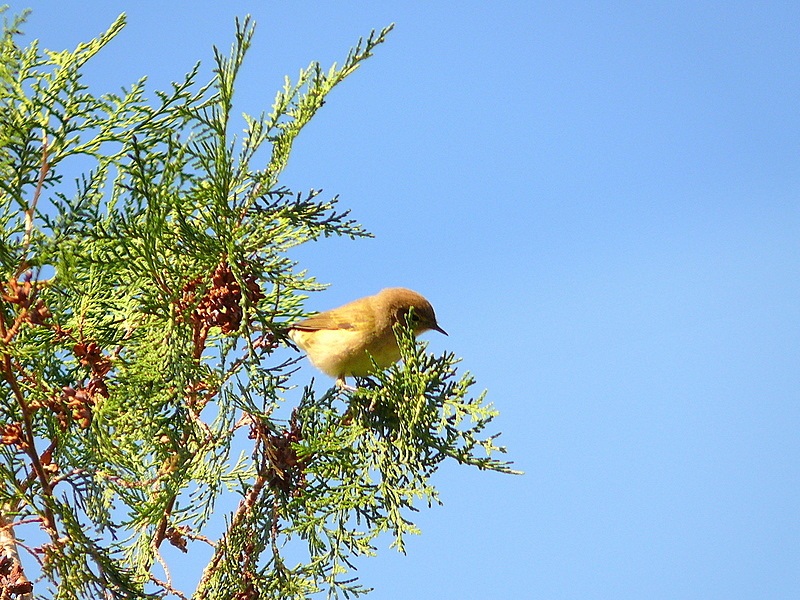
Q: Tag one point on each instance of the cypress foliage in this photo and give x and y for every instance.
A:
(142, 318)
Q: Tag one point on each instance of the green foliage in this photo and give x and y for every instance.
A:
(141, 314)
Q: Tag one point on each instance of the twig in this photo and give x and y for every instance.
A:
(245, 506)
(32, 552)
(30, 439)
(164, 566)
(168, 587)
(200, 538)
(29, 212)
(26, 521)
(8, 549)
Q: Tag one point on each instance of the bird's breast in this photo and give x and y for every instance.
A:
(346, 352)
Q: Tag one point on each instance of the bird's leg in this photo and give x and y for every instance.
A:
(341, 383)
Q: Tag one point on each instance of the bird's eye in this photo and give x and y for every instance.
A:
(415, 317)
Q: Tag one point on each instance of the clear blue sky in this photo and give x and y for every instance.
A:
(601, 201)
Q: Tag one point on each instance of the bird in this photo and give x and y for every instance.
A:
(340, 342)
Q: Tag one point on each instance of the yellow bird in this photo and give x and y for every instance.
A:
(339, 342)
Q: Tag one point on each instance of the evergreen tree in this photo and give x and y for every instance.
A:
(142, 320)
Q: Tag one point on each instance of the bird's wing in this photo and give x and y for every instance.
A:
(326, 320)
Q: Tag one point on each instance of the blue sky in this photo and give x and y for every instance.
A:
(601, 202)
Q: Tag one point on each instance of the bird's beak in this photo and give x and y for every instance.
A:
(439, 329)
